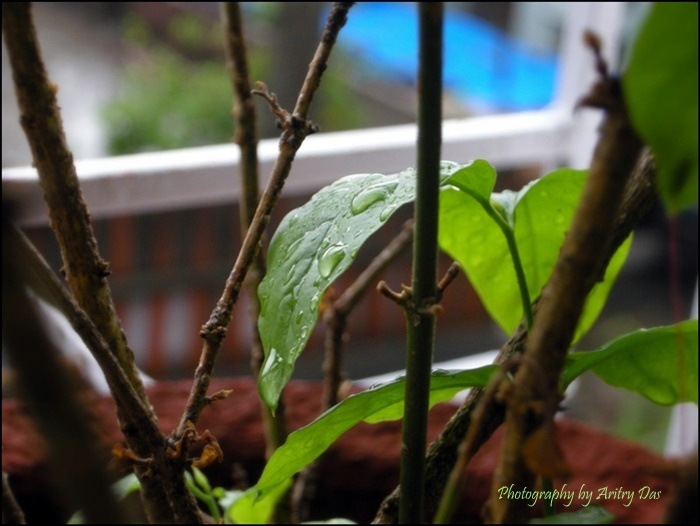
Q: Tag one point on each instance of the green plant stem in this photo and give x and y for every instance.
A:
(296, 128)
(420, 338)
(455, 481)
(509, 234)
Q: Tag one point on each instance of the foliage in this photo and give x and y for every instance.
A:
(507, 244)
(156, 111)
(169, 101)
(155, 108)
(661, 89)
(312, 247)
(491, 235)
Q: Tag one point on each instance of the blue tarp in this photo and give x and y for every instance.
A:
(483, 67)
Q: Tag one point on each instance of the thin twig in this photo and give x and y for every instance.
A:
(535, 396)
(337, 314)
(455, 482)
(639, 199)
(295, 129)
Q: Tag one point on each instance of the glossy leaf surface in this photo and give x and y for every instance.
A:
(311, 248)
(660, 364)
(540, 215)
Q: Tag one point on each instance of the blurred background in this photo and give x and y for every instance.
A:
(147, 76)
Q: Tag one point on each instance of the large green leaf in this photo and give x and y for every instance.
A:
(661, 89)
(313, 245)
(383, 402)
(660, 364)
(539, 215)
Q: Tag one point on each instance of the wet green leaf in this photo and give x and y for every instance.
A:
(660, 364)
(313, 245)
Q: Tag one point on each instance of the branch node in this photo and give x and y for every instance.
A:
(181, 447)
(448, 278)
(294, 124)
(223, 394)
(401, 298)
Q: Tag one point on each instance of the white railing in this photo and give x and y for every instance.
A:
(204, 176)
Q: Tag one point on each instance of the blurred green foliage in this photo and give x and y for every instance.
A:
(177, 92)
(167, 101)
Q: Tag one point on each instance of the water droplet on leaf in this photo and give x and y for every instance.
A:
(386, 213)
(270, 361)
(370, 195)
(330, 259)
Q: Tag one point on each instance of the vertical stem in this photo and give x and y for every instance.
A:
(420, 322)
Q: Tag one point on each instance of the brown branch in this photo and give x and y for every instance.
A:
(639, 198)
(42, 280)
(535, 396)
(164, 493)
(295, 129)
(86, 271)
(335, 318)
